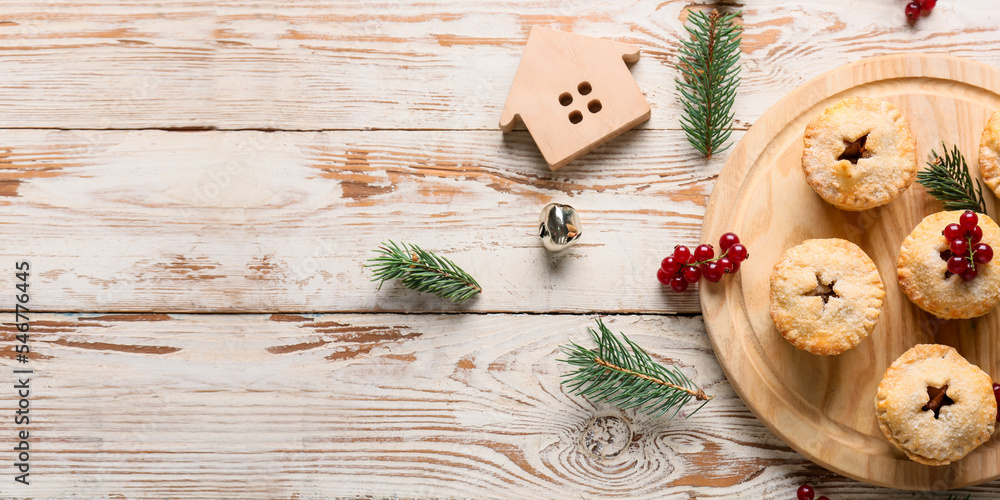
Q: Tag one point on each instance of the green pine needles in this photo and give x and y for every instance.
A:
(948, 180)
(709, 65)
(422, 271)
(623, 374)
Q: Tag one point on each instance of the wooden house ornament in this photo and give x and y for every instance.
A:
(573, 93)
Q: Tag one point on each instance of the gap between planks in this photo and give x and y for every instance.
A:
(737, 127)
(684, 314)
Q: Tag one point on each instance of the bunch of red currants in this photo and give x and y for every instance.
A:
(996, 395)
(685, 267)
(806, 492)
(965, 248)
(917, 7)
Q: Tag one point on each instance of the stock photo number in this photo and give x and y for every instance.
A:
(22, 374)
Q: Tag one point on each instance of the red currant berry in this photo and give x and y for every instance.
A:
(738, 253)
(727, 240)
(996, 395)
(957, 264)
(725, 264)
(691, 274)
(983, 255)
(959, 247)
(976, 234)
(968, 220)
(703, 253)
(712, 271)
(805, 492)
(670, 265)
(682, 254)
(952, 232)
(969, 274)
(735, 266)
(663, 277)
(927, 5)
(678, 284)
(912, 10)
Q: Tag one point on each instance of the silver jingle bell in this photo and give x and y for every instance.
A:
(559, 226)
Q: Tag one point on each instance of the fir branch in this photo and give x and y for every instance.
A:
(948, 180)
(625, 375)
(709, 65)
(422, 271)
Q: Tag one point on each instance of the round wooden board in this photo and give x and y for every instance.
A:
(823, 407)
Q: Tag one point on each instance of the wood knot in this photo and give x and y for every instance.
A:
(606, 436)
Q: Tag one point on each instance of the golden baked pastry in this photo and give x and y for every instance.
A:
(989, 153)
(923, 270)
(826, 295)
(934, 405)
(859, 154)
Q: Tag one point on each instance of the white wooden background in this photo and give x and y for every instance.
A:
(196, 185)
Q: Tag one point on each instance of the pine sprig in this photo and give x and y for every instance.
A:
(623, 374)
(709, 65)
(948, 180)
(422, 271)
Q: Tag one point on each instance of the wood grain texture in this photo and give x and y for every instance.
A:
(252, 221)
(375, 406)
(441, 64)
(824, 406)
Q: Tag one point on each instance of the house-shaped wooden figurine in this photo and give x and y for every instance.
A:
(574, 93)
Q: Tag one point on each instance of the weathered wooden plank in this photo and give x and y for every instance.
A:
(329, 406)
(401, 65)
(263, 222)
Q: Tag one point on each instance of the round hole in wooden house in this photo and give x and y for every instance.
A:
(565, 99)
(584, 88)
(594, 105)
(575, 117)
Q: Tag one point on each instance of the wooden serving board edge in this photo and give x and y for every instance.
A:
(718, 301)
